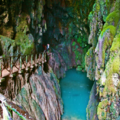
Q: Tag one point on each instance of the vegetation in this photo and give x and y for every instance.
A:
(116, 44)
(101, 109)
(113, 17)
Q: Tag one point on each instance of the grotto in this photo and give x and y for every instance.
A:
(59, 59)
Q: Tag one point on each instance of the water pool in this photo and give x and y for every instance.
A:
(75, 89)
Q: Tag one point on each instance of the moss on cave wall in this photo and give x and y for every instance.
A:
(21, 19)
(22, 39)
(105, 39)
(6, 46)
(30, 17)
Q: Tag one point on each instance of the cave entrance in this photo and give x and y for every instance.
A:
(75, 89)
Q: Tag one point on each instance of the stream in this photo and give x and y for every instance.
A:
(75, 90)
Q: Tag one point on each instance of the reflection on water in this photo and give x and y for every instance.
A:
(75, 89)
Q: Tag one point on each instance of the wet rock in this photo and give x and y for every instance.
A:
(102, 61)
(65, 56)
(92, 105)
(42, 97)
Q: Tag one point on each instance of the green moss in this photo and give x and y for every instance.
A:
(103, 104)
(108, 4)
(110, 87)
(101, 114)
(113, 66)
(105, 90)
(116, 64)
(97, 6)
(29, 49)
(90, 16)
(22, 40)
(79, 68)
(111, 28)
(26, 45)
(117, 5)
(88, 52)
(7, 45)
(112, 108)
(107, 42)
(116, 44)
(113, 17)
(101, 109)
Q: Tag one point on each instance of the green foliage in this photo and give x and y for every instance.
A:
(74, 43)
(79, 40)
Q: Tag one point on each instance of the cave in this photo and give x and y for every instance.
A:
(59, 59)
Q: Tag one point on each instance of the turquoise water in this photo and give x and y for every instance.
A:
(75, 89)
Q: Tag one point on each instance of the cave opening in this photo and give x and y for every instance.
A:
(75, 90)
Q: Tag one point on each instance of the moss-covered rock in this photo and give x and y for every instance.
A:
(41, 97)
(79, 68)
(101, 112)
(22, 39)
(106, 54)
(7, 45)
(92, 105)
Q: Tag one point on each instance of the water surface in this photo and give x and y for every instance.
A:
(75, 88)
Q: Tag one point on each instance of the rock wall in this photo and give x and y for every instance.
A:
(10, 87)
(65, 56)
(92, 105)
(38, 94)
(104, 55)
(43, 22)
(41, 97)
